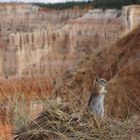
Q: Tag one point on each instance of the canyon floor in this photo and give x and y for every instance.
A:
(48, 62)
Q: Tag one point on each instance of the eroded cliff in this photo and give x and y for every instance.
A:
(31, 49)
(37, 41)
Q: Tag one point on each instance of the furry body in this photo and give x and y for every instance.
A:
(96, 100)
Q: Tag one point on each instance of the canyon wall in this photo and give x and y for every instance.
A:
(49, 42)
(17, 8)
(53, 47)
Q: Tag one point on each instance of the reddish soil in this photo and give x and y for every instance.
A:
(31, 88)
(6, 132)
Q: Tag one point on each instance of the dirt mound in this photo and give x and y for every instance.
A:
(63, 122)
(120, 65)
(58, 124)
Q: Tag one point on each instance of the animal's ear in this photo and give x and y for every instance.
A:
(97, 78)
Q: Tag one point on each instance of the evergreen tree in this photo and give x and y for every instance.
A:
(134, 1)
(113, 3)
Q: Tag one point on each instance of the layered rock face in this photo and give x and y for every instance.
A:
(7, 8)
(131, 17)
(38, 42)
(30, 37)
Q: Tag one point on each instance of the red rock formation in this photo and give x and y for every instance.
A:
(40, 42)
(62, 45)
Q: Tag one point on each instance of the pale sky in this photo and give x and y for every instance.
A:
(46, 1)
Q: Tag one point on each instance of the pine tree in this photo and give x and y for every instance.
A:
(134, 1)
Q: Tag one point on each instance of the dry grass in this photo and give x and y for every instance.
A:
(63, 122)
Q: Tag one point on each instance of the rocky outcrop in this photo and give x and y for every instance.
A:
(131, 16)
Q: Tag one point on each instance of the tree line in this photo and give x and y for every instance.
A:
(64, 5)
(113, 3)
(104, 4)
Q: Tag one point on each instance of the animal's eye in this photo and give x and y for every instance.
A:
(102, 81)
